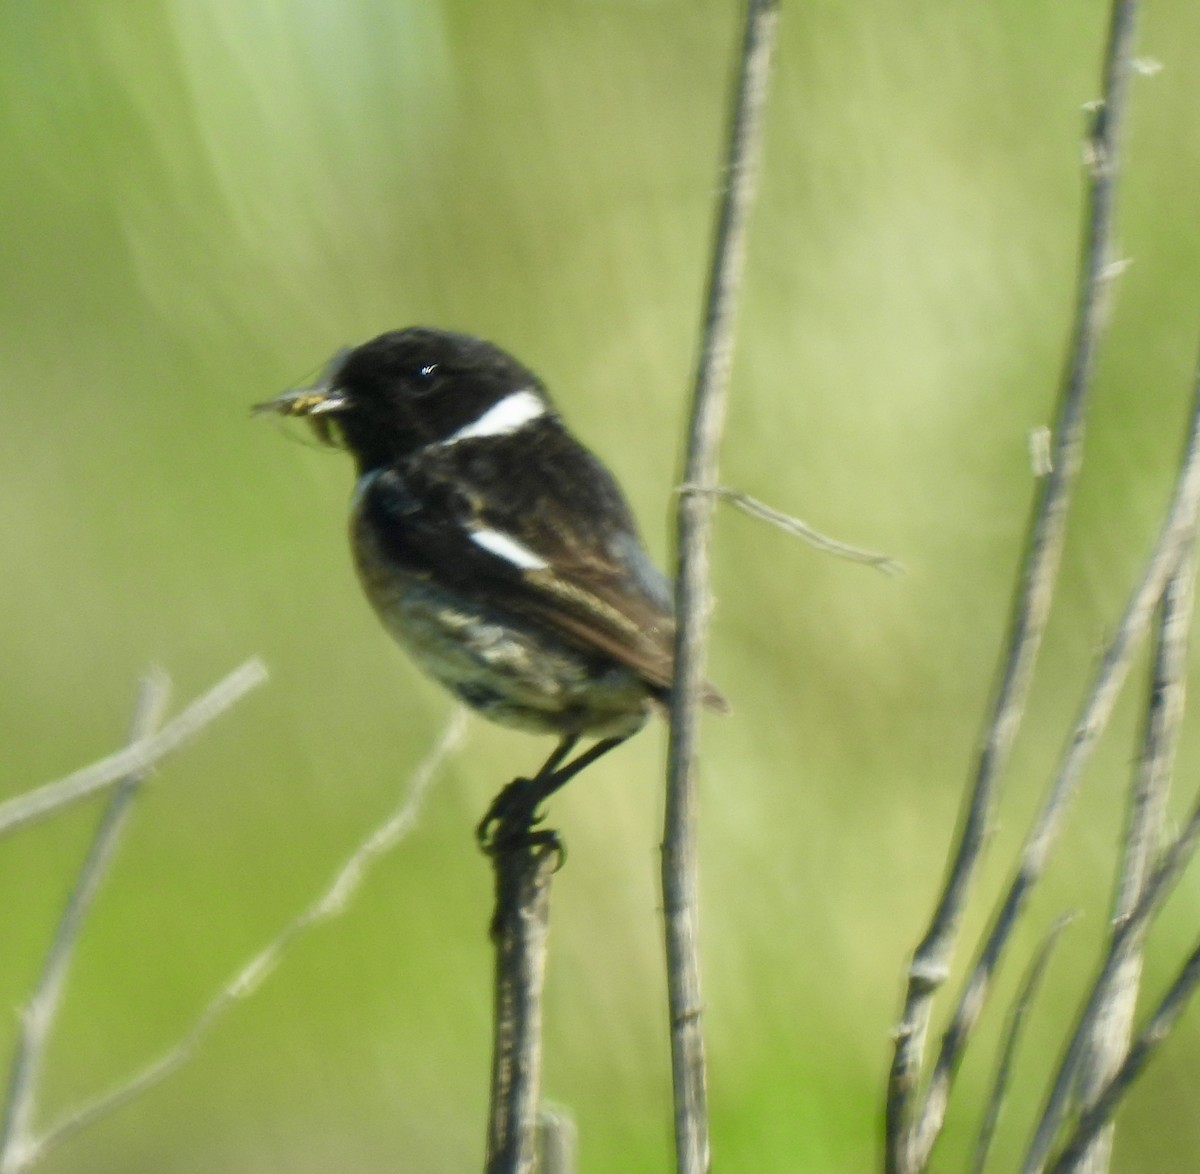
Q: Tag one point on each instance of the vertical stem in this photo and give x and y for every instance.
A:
(1109, 1039)
(1162, 1023)
(1026, 993)
(40, 1013)
(1176, 542)
(519, 930)
(931, 960)
(679, 858)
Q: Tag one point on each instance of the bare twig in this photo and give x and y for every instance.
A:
(135, 759)
(520, 926)
(1109, 1038)
(931, 960)
(1160, 1026)
(1012, 1036)
(332, 902)
(791, 525)
(694, 529)
(38, 1018)
(1126, 941)
(1128, 938)
(1174, 538)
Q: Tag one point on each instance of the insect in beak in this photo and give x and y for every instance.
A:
(319, 404)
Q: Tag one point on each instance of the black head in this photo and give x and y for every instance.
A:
(410, 388)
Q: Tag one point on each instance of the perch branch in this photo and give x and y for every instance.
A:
(520, 926)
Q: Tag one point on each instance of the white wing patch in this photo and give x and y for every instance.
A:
(509, 549)
(511, 414)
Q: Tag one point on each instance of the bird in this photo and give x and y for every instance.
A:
(498, 551)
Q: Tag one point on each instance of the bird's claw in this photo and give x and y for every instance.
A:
(514, 806)
(510, 822)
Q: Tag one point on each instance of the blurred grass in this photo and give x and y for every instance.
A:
(200, 203)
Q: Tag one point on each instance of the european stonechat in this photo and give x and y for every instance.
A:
(496, 549)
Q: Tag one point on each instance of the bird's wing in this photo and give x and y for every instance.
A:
(565, 555)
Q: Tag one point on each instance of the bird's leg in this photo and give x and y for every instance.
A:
(559, 776)
(564, 747)
(513, 812)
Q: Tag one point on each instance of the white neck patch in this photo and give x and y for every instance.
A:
(511, 414)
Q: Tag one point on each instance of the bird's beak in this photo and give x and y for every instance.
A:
(305, 401)
(324, 398)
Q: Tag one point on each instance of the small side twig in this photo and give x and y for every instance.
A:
(1174, 538)
(138, 757)
(801, 529)
(37, 1020)
(331, 903)
(558, 1141)
(931, 960)
(1109, 1037)
(693, 535)
(523, 868)
(1012, 1036)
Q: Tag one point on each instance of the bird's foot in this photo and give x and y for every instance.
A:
(510, 821)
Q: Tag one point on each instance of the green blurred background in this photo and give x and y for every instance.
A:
(200, 202)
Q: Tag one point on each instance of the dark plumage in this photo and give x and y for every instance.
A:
(497, 549)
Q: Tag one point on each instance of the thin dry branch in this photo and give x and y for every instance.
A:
(800, 529)
(680, 881)
(331, 903)
(1125, 941)
(37, 1020)
(931, 960)
(520, 928)
(1012, 1037)
(135, 759)
(1161, 1024)
(1174, 538)
(1108, 1040)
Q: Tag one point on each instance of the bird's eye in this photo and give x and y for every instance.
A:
(429, 370)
